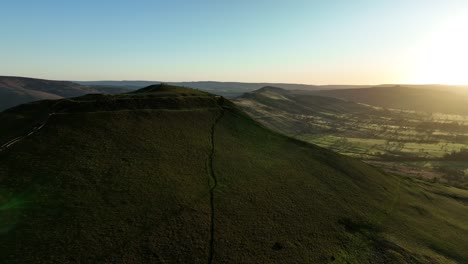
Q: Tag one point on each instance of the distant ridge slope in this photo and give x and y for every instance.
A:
(287, 111)
(19, 90)
(407, 98)
(172, 175)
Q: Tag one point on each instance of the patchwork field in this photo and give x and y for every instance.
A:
(385, 137)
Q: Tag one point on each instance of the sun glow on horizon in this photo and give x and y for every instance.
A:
(443, 57)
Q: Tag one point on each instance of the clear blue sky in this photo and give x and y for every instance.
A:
(307, 41)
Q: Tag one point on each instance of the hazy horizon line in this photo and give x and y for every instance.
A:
(244, 82)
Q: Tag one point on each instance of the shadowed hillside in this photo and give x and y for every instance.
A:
(173, 175)
(446, 101)
(19, 90)
(293, 113)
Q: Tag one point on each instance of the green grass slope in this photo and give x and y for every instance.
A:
(169, 175)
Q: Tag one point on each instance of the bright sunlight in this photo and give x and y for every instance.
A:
(443, 57)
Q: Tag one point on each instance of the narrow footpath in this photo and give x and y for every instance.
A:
(213, 185)
(21, 138)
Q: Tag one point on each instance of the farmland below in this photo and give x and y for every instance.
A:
(407, 142)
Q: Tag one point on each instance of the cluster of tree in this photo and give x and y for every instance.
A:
(453, 176)
(398, 156)
(461, 155)
(429, 127)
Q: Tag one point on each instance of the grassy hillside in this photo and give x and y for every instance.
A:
(172, 175)
(449, 101)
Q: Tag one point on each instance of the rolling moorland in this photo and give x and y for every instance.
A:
(413, 143)
(236, 89)
(172, 175)
(226, 89)
(19, 90)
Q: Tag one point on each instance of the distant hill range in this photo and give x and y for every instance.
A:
(236, 89)
(441, 99)
(19, 90)
(429, 98)
(227, 89)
